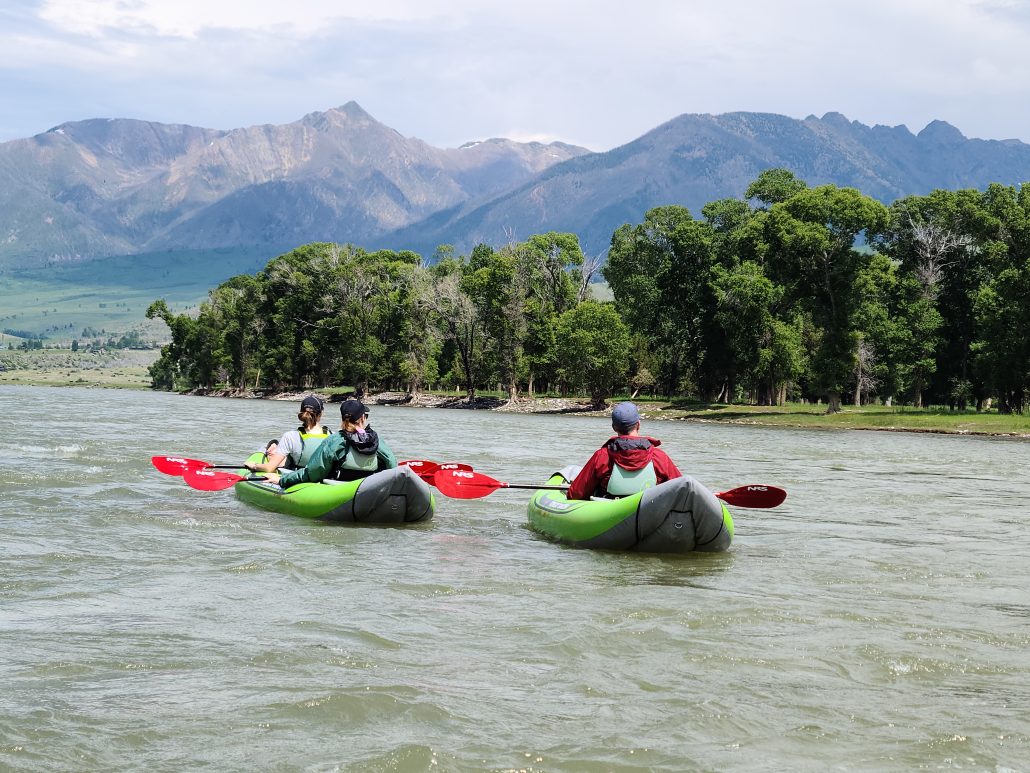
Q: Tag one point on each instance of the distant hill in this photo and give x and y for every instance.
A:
(694, 159)
(108, 187)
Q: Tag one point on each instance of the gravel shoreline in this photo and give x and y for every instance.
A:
(581, 407)
(400, 399)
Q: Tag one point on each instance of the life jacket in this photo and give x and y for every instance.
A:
(636, 472)
(625, 482)
(360, 456)
(309, 442)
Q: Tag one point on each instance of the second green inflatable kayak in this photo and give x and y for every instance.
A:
(678, 516)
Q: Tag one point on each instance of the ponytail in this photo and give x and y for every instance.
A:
(308, 417)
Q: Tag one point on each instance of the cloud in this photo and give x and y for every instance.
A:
(592, 72)
(191, 18)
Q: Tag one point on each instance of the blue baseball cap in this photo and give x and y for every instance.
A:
(624, 417)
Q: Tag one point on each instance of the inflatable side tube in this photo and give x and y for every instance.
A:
(391, 496)
(681, 515)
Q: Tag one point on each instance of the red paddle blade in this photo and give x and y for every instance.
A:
(465, 484)
(444, 468)
(421, 466)
(177, 465)
(426, 469)
(753, 496)
(209, 480)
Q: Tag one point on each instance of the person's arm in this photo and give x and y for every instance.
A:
(665, 468)
(275, 459)
(585, 484)
(387, 460)
(318, 467)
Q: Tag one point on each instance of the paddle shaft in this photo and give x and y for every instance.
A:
(565, 488)
(473, 485)
(535, 488)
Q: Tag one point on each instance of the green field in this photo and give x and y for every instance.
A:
(880, 417)
(59, 301)
(112, 294)
(122, 369)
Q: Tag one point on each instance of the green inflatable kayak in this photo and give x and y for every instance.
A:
(678, 516)
(394, 496)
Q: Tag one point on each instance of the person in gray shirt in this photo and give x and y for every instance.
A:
(296, 447)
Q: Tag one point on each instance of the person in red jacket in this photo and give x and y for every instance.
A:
(627, 463)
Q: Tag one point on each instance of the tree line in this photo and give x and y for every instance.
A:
(793, 293)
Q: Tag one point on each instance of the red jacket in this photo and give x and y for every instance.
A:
(630, 453)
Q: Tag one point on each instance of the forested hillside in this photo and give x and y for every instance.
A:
(798, 292)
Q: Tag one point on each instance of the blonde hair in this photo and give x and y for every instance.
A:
(349, 425)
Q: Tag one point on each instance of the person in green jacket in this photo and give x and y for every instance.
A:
(356, 451)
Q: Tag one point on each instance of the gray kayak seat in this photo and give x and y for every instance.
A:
(569, 472)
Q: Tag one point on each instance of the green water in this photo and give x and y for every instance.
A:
(878, 620)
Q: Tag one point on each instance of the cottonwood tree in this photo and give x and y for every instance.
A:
(549, 267)
(660, 273)
(812, 237)
(418, 334)
(462, 325)
(595, 348)
(865, 360)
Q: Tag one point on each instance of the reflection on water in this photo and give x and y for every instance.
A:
(877, 620)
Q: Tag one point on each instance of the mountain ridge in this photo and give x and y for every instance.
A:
(108, 186)
(693, 159)
(99, 187)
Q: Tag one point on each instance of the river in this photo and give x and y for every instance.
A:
(878, 620)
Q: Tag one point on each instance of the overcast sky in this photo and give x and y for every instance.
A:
(597, 73)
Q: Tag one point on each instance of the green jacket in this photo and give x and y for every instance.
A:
(327, 457)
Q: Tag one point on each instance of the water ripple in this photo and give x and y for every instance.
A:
(875, 621)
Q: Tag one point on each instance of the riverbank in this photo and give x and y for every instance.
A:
(799, 415)
(127, 369)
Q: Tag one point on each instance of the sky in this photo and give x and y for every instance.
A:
(596, 73)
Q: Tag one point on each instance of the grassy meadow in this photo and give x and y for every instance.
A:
(112, 294)
(118, 369)
(880, 417)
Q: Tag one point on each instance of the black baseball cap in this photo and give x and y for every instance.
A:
(312, 402)
(353, 410)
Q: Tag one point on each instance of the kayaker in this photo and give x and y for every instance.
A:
(627, 463)
(356, 451)
(295, 448)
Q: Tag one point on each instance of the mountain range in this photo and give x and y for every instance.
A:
(104, 187)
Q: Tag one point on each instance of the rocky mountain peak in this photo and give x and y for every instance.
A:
(941, 133)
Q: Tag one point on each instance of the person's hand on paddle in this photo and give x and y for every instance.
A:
(272, 477)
